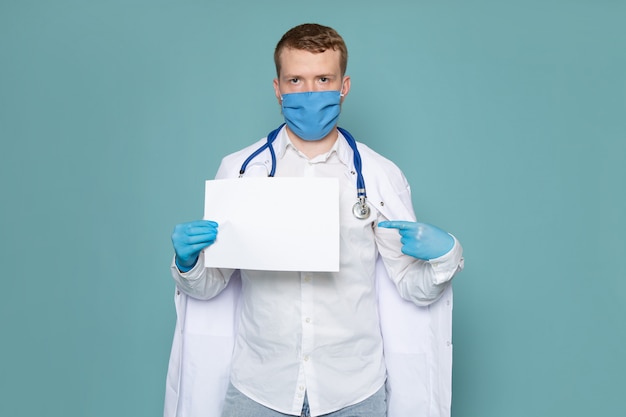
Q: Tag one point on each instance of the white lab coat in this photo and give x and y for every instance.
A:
(417, 340)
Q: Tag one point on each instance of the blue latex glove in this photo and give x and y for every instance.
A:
(189, 239)
(421, 240)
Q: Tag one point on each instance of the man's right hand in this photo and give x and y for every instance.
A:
(189, 239)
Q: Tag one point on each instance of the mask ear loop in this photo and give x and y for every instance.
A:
(280, 93)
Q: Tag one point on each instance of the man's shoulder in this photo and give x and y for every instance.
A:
(386, 182)
(231, 163)
(243, 153)
(372, 160)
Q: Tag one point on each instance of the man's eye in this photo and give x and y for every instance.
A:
(294, 81)
(324, 79)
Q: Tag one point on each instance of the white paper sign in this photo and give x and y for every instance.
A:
(275, 224)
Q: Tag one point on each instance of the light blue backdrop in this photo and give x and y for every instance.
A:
(508, 118)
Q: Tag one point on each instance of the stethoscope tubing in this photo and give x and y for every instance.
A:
(267, 145)
(361, 209)
(360, 181)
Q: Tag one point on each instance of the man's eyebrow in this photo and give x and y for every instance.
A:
(314, 76)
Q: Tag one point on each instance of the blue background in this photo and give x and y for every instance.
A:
(508, 118)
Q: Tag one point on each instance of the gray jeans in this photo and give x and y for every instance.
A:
(238, 405)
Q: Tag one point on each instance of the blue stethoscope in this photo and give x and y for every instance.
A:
(361, 209)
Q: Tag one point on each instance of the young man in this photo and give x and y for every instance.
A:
(311, 343)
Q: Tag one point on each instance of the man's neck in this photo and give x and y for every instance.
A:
(313, 148)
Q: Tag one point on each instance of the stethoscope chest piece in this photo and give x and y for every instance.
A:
(361, 209)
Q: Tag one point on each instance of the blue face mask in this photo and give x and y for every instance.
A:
(312, 115)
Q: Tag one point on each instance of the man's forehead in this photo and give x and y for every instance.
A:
(301, 60)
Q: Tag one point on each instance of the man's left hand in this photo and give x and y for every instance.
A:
(421, 240)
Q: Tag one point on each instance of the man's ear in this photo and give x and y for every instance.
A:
(345, 88)
(277, 92)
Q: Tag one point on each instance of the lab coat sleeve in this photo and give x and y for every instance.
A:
(422, 282)
(447, 265)
(205, 283)
(200, 282)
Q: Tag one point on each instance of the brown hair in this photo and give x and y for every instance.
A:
(313, 38)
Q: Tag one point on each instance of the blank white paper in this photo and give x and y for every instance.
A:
(275, 224)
